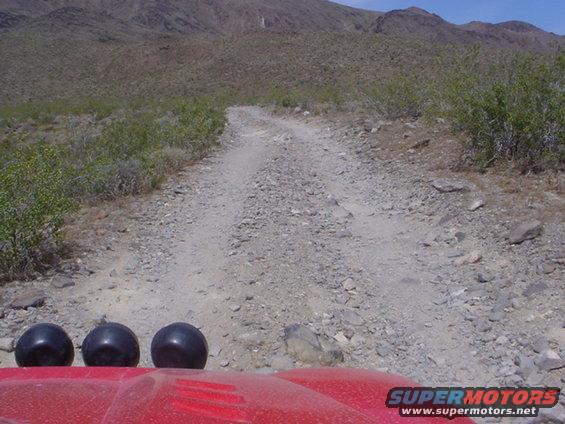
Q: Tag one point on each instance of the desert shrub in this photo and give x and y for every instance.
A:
(329, 95)
(41, 183)
(117, 162)
(199, 122)
(45, 112)
(514, 110)
(285, 98)
(33, 202)
(400, 96)
(134, 154)
(316, 99)
(511, 107)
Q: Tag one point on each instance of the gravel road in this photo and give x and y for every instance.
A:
(285, 224)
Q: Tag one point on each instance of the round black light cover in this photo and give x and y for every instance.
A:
(45, 345)
(179, 345)
(111, 345)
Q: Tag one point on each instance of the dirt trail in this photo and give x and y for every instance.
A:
(263, 234)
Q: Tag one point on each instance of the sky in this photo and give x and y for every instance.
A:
(546, 14)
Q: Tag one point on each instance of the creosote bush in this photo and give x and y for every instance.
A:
(513, 109)
(40, 183)
(400, 96)
(34, 200)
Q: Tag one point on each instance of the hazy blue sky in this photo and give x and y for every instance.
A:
(546, 14)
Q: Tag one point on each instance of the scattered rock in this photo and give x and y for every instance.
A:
(557, 335)
(303, 344)
(252, 340)
(534, 288)
(344, 233)
(33, 298)
(349, 333)
(526, 231)
(341, 213)
(549, 360)
(340, 338)
(477, 204)
(445, 186)
(496, 316)
(331, 201)
(482, 326)
(62, 282)
(421, 144)
(460, 236)
(349, 284)
(471, 258)
(561, 183)
(555, 415)
(235, 308)
(215, 351)
(7, 344)
(281, 362)
(540, 344)
(351, 317)
(526, 366)
(384, 349)
(483, 277)
(548, 268)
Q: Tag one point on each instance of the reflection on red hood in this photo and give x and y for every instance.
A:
(135, 395)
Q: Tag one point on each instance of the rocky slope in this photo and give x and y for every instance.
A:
(211, 17)
(229, 17)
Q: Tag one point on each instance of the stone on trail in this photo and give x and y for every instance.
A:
(526, 231)
(308, 347)
(341, 213)
(331, 201)
(447, 186)
(549, 360)
(62, 282)
(33, 298)
(421, 144)
(471, 258)
(351, 317)
(7, 344)
(477, 204)
(344, 233)
(349, 284)
(557, 335)
(534, 288)
(281, 362)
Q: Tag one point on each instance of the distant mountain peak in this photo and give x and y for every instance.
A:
(519, 26)
(419, 10)
(130, 18)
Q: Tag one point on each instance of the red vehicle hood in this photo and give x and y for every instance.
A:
(127, 396)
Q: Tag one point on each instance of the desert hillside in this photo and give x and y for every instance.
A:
(70, 48)
(228, 17)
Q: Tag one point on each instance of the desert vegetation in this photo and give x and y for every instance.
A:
(512, 109)
(42, 182)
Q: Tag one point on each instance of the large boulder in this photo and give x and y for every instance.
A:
(33, 298)
(308, 347)
(525, 231)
